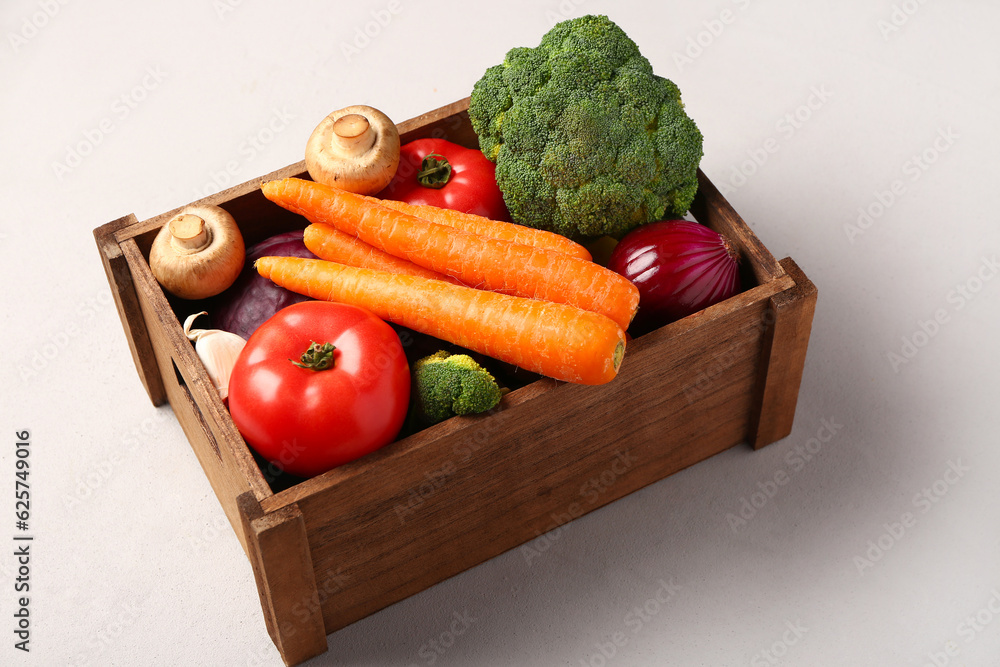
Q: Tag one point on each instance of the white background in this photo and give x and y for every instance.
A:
(133, 562)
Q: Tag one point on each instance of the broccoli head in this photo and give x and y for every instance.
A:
(446, 385)
(587, 140)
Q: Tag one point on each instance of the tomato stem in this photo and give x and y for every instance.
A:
(435, 170)
(319, 357)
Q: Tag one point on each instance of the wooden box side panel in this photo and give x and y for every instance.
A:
(226, 461)
(127, 303)
(671, 406)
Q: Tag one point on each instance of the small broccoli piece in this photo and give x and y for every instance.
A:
(587, 140)
(446, 385)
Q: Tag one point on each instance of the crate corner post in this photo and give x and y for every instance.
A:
(127, 304)
(786, 339)
(279, 554)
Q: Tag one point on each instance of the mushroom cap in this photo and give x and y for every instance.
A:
(204, 265)
(364, 163)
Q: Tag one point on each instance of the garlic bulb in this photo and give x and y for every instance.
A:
(217, 350)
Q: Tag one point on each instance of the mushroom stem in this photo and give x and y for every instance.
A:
(354, 134)
(189, 234)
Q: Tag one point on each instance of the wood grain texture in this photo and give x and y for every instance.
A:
(783, 358)
(127, 304)
(471, 488)
(220, 449)
(279, 555)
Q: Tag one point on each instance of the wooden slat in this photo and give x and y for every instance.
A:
(127, 304)
(279, 555)
(711, 208)
(482, 485)
(783, 358)
(220, 449)
(256, 216)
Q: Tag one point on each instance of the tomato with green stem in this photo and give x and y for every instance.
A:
(438, 172)
(320, 384)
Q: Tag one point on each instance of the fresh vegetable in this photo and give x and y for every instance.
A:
(440, 173)
(252, 300)
(355, 149)
(218, 351)
(476, 260)
(198, 253)
(318, 385)
(680, 267)
(552, 339)
(587, 140)
(445, 385)
(496, 229)
(328, 243)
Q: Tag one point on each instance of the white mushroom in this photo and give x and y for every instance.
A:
(354, 149)
(198, 253)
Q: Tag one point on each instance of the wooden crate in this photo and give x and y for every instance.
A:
(333, 549)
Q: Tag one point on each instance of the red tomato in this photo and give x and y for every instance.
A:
(308, 421)
(443, 174)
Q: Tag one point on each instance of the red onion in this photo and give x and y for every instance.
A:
(253, 299)
(680, 267)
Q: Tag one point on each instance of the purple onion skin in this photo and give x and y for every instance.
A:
(680, 267)
(253, 299)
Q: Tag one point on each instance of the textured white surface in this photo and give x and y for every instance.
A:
(133, 562)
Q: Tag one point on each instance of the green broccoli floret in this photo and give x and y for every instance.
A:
(446, 385)
(587, 140)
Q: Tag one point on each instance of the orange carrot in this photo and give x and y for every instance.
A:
(496, 229)
(553, 339)
(486, 263)
(326, 242)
